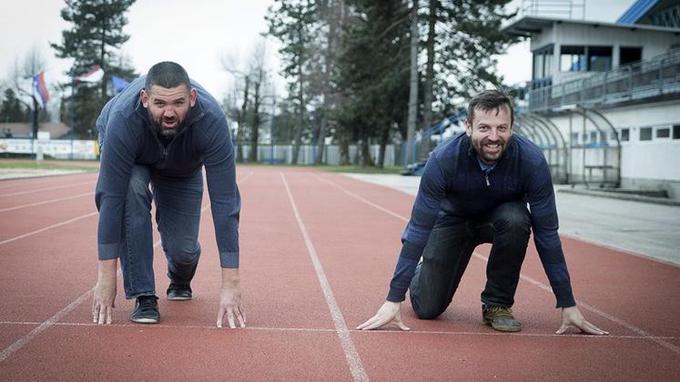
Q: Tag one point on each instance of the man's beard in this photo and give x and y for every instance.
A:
(167, 133)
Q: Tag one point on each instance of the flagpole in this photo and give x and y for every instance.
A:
(73, 112)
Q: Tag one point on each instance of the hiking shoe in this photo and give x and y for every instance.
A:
(146, 310)
(500, 318)
(178, 292)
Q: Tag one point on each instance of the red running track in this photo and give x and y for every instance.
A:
(318, 251)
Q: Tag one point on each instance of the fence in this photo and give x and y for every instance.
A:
(652, 78)
(283, 154)
(59, 149)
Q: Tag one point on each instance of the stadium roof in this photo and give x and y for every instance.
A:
(636, 11)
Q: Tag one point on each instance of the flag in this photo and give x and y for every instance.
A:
(40, 88)
(118, 83)
(95, 74)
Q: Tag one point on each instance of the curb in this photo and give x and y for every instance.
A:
(612, 195)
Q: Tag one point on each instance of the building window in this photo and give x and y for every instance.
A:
(572, 58)
(543, 62)
(663, 132)
(676, 131)
(593, 137)
(646, 134)
(603, 136)
(625, 135)
(629, 55)
(599, 58)
(574, 138)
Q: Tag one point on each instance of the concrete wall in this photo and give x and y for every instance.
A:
(644, 164)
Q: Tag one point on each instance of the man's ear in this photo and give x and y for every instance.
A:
(468, 127)
(145, 98)
(192, 97)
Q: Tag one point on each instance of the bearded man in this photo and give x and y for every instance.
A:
(155, 137)
(475, 189)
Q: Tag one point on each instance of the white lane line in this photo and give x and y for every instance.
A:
(52, 321)
(47, 228)
(46, 202)
(538, 284)
(21, 342)
(44, 189)
(351, 354)
(322, 330)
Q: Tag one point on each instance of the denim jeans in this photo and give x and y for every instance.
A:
(178, 214)
(448, 251)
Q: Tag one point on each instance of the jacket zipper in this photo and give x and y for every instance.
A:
(486, 177)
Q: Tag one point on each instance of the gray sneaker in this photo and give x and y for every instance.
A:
(500, 318)
(146, 310)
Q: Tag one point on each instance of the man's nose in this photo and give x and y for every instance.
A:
(493, 134)
(168, 111)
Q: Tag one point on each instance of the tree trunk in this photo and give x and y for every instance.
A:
(383, 146)
(254, 129)
(366, 160)
(301, 109)
(429, 71)
(241, 123)
(344, 148)
(413, 86)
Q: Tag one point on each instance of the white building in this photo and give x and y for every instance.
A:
(604, 100)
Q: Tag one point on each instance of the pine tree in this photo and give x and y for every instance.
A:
(94, 39)
(294, 23)
(11, 109)
(374, 73)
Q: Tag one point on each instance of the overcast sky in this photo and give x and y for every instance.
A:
(197, 34)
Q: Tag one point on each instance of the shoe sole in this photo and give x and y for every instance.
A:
(144, 320)
(511, 329)
(179, 298)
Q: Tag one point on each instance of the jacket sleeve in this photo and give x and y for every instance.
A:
(225, 200)
(117, 158)
(541, 198)
(431, 191)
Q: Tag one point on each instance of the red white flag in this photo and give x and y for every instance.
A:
(94, 75)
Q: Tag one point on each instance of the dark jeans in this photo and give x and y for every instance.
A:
(450, 247)
(178, 214)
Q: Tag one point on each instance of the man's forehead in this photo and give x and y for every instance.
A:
(492, 110)
(157, 91)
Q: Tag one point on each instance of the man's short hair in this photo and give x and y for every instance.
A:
(167, 74)
(490, 100)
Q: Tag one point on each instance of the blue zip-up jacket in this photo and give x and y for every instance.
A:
(454, 184)
(127, 138)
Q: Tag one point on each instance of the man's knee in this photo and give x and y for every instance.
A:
(138, 188)
(426, 310)
(183, 253)
(512, 217)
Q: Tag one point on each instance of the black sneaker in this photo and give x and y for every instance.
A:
(146, 310)
(500, 318)
(178, 292)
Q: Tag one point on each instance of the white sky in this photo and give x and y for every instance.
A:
(196, 34)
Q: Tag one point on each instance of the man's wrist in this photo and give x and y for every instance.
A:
(107, 270)
(230, 277)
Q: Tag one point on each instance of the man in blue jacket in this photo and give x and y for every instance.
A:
(160, 132)
(474, 190)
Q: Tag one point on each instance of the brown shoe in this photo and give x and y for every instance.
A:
(500, 318)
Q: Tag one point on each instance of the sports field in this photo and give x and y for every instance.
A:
(317, 253)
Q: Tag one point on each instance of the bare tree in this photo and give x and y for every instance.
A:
(229, 64)
(21, 80)
(413, 87)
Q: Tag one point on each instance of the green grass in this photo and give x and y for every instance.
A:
(362, 170)
(28, 164)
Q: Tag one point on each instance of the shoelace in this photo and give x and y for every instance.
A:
(147, 303)
(501, 311)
